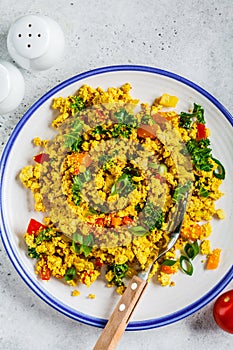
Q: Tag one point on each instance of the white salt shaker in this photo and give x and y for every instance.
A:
(11, 87)
(35, 42)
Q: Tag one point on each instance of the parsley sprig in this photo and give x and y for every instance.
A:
(186, 119)
(119, 272)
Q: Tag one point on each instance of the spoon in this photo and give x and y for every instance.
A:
(123, 311)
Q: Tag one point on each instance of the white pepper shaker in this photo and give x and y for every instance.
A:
(35, 42)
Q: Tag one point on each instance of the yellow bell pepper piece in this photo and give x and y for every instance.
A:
(168, 100)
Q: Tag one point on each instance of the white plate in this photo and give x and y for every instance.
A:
(159, 305)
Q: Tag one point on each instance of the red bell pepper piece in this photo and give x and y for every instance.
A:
(201, 132)
(34, 226)
(45, 273)
(99, 222)
(41, 158)
(98, 262)
(127, 220)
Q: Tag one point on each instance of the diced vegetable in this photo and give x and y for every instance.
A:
(34, 226)
(213, 260)
(127, 220)
(116, 221)
(98, 262)
(201, 132)
(168, 100)
(145, 131)
(167, 269)
(167, 266)
(41, 158)
(45, 273)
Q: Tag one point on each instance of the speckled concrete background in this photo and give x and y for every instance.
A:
(192, 38)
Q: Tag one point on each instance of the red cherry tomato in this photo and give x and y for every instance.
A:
(223, 311)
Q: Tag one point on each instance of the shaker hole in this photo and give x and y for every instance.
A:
(29, 25)
(29, 35)
(39, 35)
(19, 35)
(29, 46)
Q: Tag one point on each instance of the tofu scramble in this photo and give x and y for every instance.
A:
(108, 183)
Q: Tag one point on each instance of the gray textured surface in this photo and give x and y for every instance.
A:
(192, 38)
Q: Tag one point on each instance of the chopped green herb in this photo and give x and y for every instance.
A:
(180, 191)
(186, 119)
(154, 217)
(33, 253)
(77, 103)
(99, 130)
(43, 236)
(138, 207)
(203, 192)
(70, 274)
(168, 262)
(123, 130)
(200, 153)
(78, 181)
(146, 119)
(82, 244)
(106, 160)
(74, 139)
(123, 117)
(119, 272)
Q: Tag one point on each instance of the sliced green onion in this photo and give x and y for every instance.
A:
(192, 250)
(70, 274)
(168, 262)
(220, 171)
(162, 169)
(186, 265)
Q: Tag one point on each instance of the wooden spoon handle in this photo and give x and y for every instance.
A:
(121, 315)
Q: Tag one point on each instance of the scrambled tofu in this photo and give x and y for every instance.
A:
(112, 174)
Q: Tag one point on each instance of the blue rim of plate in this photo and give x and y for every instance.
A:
(39, 290)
